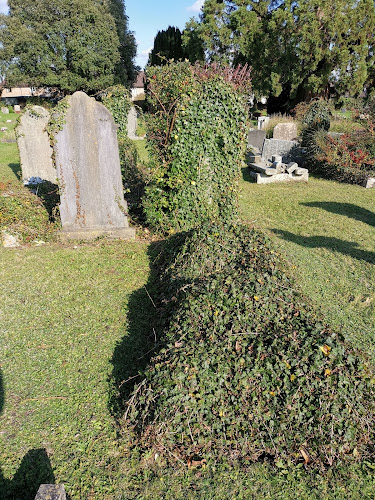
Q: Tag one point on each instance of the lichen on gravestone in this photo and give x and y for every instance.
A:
(34, 145)
(89, 172)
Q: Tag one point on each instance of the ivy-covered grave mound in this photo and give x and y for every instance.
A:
(196, 133)
(246, 368)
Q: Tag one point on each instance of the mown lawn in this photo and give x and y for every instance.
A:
(68, 312)
(327, 231)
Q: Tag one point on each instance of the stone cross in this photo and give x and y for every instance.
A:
(89, 172)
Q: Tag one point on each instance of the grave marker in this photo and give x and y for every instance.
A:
(34, 145)
(285, 131)
(89, 172)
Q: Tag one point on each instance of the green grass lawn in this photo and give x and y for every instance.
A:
(327, 231)
(67, 309)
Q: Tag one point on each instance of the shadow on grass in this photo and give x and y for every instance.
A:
(349, 248)
(246, 175)
(49, 194)
(135, 349)
(348, 209)
(35, 469)
(16, 169)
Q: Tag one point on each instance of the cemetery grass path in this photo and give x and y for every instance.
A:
(326, 230)
(64, 309)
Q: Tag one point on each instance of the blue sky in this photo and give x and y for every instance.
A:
(147, 17)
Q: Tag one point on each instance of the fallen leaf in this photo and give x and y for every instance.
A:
(305, 455)
(191, 463)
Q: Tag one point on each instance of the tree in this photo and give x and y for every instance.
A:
(125, 70)
(68, 44)
(192, 43)
(167, 46)
(297, 49)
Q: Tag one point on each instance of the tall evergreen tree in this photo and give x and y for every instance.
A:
(296, 48)
(67, 44)
(125, 70)
(167, 45)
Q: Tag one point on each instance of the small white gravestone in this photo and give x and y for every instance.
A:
(262, 122)
(132, 123)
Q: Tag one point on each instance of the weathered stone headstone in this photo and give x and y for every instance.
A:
(89, 173)
(51, 492)
(288, 150)
(5, 111)
(34, 145)
(132, 123)
(285, 131)
(17, 108)
(255, 139)
(262, 122)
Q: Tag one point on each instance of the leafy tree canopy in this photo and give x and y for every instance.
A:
(68, 44)
(125, 70)
(296, 48)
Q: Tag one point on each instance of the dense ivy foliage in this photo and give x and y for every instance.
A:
(246, 368)
(196, 133)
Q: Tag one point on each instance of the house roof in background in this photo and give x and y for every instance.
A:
(140, 80)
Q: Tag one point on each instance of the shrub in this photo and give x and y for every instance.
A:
(345, 126)
(348, 158)
(27, 215)
(196, 132)
(246, 369)
(316, 118)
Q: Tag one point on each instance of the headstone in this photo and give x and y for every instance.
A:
(285, 131)
(17, 108)
(5, 111)
(51, 492)
(262, 122)
(255, 139)
(9, 240)
(132, 123)
(89, 173)
(288, 150)
(34, 145)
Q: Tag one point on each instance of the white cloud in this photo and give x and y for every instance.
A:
(145, 53)
(3, 7)
(142, 57)
(196, 7)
